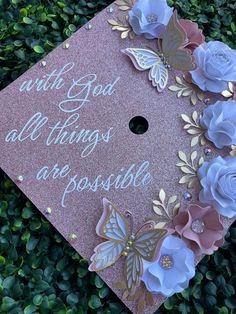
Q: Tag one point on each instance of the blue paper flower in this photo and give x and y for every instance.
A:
(171, 272)
(220, 121)
(150, 17)
(218, 181)
(216, 65)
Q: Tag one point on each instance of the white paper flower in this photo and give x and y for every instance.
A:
(173, 269)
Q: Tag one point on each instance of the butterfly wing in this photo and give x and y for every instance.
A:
(144, 246)
(173, 38)
(133, 271)
(145, 59)
(146, 243)
(113, 227)
(106, 254)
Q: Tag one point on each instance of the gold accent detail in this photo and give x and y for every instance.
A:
(189, 168)
(122, 23)
(233, 151)
(194, 128)
(49, 210)
(186, 88)
(73, 236)
(231, 92)
(124, 5)
(125, 253)
(165, 209)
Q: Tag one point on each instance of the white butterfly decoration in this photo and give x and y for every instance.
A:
(171, 54)
(113, 227)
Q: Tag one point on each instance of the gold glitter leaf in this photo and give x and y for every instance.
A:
(120, 285)
(150, 299)
(186, 88)
(141, 305)
(186, 118)
(193, 127)
(174, 88)
(189, 169)
(194, 141)
(124, 8)
(184, 179)
(182, 156)
(193, 156)
(233, 151)
(162, 195)
(176, 209)
(164, 209)
(124, 34)
(200, 162)
(120, 2)
(112, 22)
(192, 183)
(172, 199)
(125, 295)
(231, 92)
(160, 225)
(157, 210)
(124, 5)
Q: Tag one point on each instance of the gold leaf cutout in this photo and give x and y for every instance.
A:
(231, 92)
(194, 128)
(165, 209)
(189, 168)
(122, 23)
(185, 88)
(233, 151)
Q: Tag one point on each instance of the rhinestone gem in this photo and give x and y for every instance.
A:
(20, 179)
(110, 10)
(73, 237)
(49, 210)
(66, 46)
(43, 63)
(89, 27)
(207, 151)
(152, 18)
(198, 226)
(206, 101)
(187, 196)
(166, 262)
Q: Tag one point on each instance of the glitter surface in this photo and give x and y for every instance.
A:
(97, 51)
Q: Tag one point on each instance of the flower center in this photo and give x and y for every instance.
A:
(166, 262)
(152, 18)
(198, 226)
(221, 56)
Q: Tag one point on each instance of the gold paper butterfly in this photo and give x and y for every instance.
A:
(171, 54)
(121, 240)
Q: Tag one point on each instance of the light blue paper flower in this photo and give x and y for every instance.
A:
(216, 65)
(218, 181)
(173, 269)
(150, 17)
(220, 121)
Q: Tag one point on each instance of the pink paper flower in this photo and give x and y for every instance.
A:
(200, 227)
(194, 34)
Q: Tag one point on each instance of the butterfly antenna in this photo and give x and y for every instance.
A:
(129, 215)
(147, 225)
(159, 45)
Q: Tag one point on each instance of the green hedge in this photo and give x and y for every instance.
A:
(39, 271)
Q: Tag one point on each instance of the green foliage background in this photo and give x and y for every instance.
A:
(39, 271)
